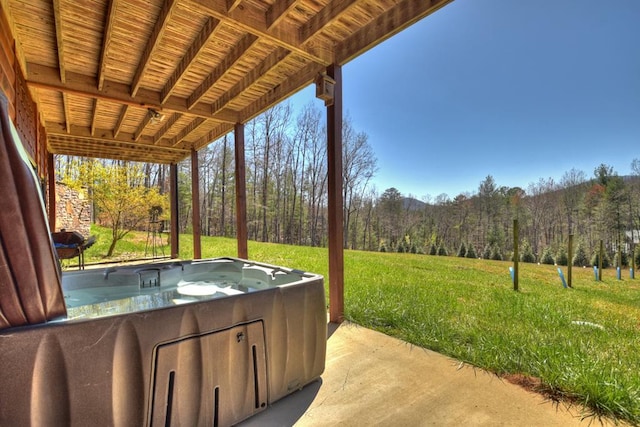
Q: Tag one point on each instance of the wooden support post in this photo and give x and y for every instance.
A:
(173, 196)
(515, 254)
(335, 202)
(569, 260)
(51, 184)
(619, 263)
(600, 261)
(241, 192)
(195, 205)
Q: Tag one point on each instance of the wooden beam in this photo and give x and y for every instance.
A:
(67, 111)
(250, 78)
(145, 122)
(195, 205)
(326, 16)
(43, 77)
(156, 35)
(106, 40)
(166, 126)
(199, 121)
(396, 19)
(249, 19)
(126, 140)
(57, 13)
(288, 87)
(334, 199)
(215, 133)
(232, 5)
(205, 35)
(241, 193)
(222, 68)
(173, 201)
(278, 11)
(123, 114)
(94, 116)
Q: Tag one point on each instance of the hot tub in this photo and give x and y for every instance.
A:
(208, 342)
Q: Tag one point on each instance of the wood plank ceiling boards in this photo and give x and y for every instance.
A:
(150, 80)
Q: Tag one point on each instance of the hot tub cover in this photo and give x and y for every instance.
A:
(30, 284)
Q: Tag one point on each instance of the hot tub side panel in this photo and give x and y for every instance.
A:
(101, 371)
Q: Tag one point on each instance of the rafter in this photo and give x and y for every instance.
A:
(212, 135)
(94, 116)
(43, 77)
(288, 87)
(106, 40)
(199, 121)
(250, 78)
(67, 112)
(156, 36)
(123, 114)
(232, 5)
(251, 20)
(165, 128)
(57, 13)
(105, 135)
(278, 11)
(394, 20)
(223, 68)
(202, 39)
(145, 122)
(326, 16)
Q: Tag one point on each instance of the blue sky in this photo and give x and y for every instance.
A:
(517, 89)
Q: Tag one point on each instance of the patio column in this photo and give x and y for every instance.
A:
(241, 192)
(335, 202)
(51, 185)
(195, 205)
(173, 196)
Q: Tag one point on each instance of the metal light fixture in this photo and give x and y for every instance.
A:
(155, 116)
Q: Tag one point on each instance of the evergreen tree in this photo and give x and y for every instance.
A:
(527, 253)
(580, 258)
(561, 256)
(433, 250)
(595, 260)
(462, 251)
(625, 260)
(547, 258)
(486, 254)
(442, 251)
(471, 252)
(496, 253)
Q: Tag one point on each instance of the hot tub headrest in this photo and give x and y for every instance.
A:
(30, 284)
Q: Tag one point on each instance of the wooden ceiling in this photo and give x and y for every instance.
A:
(99, 69)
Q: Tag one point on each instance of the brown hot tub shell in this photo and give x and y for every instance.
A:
(210, 362)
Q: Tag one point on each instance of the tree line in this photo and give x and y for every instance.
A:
(286, 181)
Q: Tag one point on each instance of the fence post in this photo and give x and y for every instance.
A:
(600, 261)
(570, 260)
(515, 254)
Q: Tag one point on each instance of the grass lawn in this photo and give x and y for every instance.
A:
(581, 345)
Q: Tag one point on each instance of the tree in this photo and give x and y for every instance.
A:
(390, 204)
(122, 201)
(547, 257)
(359, 165)
(527, 253)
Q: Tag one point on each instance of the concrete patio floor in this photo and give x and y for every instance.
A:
(373, 379)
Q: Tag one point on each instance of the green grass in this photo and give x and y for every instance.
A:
(467, 309)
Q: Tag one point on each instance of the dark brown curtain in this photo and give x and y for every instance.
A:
(30, 290)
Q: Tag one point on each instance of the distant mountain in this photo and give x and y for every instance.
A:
(411, 204)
